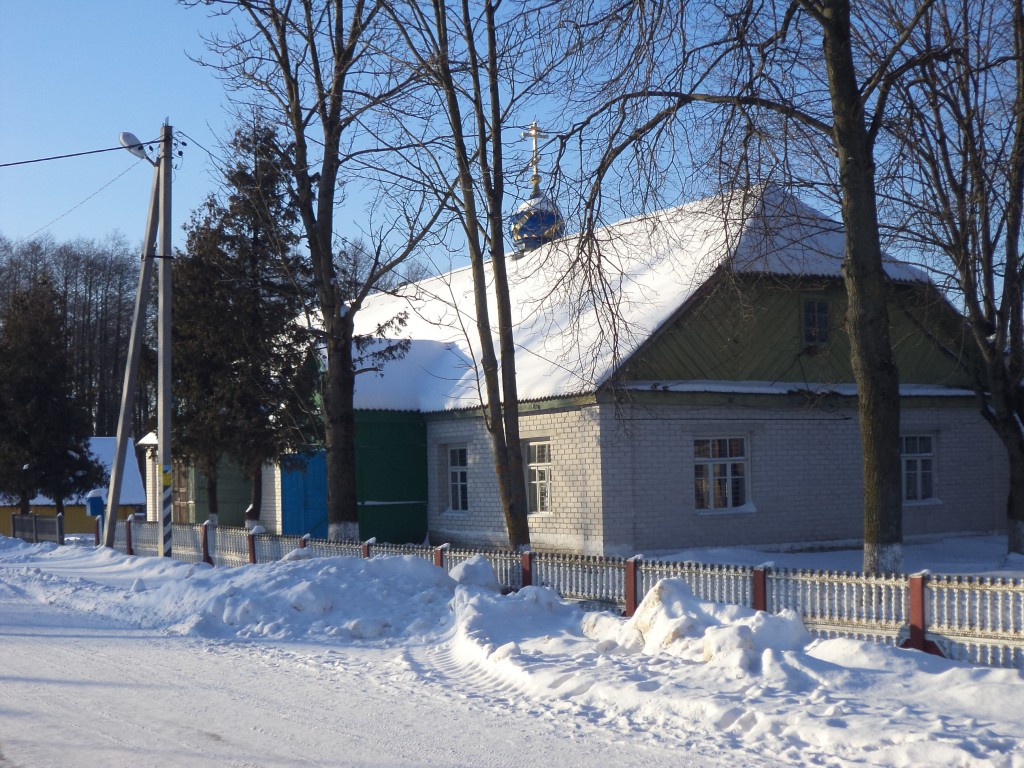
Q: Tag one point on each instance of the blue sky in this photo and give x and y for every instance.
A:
(73, 75)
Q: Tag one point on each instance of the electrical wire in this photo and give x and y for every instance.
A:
(63, 157)
(80, 204)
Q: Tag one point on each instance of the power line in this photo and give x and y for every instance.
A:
(80, 204)
(64, 157)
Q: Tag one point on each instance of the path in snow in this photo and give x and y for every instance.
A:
(76, 691)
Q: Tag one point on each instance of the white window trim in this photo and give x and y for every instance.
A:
(748, 507)
(932, 500)
(528, 470)
(464, 482)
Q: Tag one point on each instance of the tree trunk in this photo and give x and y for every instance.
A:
(342, 509)
(874, 369)
(1015, 498)
(256, 494)
(1000, 409)
(211, 495)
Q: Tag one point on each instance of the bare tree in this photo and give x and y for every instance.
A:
(959, 128)
(306, 62)
(784, 91)
(477, 66)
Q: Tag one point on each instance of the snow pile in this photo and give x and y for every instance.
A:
(319, 598)
(732, 683)
(671, 620)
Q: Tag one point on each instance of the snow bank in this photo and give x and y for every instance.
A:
(323, 598)
(734, 684)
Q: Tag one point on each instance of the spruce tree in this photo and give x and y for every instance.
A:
(44, 426)
(245, 367)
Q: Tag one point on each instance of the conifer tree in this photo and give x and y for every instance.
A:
(245, 367)
(44, 427)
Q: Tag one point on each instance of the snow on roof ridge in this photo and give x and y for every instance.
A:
(652, 263)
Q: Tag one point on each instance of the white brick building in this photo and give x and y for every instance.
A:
(719, 412)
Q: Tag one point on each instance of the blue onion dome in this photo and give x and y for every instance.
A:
(537, 220)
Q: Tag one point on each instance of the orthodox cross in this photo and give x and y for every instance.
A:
(534, 133)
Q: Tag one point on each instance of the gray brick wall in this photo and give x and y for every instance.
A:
(575, 523)
(623, 477)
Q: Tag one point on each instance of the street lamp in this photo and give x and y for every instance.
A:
(159, 219)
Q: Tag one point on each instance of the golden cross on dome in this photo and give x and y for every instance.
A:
(534, 133)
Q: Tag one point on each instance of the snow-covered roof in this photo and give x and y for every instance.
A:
(133, 492)
(566, 341)
(785, 387)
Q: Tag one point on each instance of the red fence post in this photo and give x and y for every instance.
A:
(918, 618)
(526, 565)
(366, 546)
(632, 582)
(302, 542)
(128, 536)
(252, 548)
(439, 555)
(760, 588)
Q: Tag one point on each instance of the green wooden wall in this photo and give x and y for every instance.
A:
(750, 329)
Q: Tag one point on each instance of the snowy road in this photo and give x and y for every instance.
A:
(108, 660)
(80, 691)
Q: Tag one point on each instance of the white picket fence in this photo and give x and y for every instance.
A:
(977, 620)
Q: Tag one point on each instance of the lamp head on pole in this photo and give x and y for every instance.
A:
(130, 142)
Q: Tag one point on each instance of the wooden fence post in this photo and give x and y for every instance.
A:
(96, 520)
(632, 583)
(366, 546)
(252, 548)
(918, 617)
(439, 553)
(128, 536)
(760, 596)
(60, 529)
(526, 565)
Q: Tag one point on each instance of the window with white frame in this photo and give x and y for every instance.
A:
(720, 477)
(918, 459)
(538, 476)
(458, 478)
(815, 322)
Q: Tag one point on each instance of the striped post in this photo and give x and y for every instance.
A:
(165, 513)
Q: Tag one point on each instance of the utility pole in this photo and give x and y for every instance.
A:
(159, 216)
(163, 429)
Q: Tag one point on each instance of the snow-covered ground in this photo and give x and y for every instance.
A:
(118, 661)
